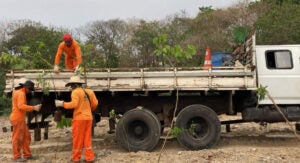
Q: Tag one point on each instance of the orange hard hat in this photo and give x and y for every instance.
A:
(67, 37)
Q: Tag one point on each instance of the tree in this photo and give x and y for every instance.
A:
(279, 24)
(108, 38)
(143, 46)
(7, 61)
(178, 30)
(27, 44)
(173, 54)
(210, 28)
(7, 27)
(34, 43)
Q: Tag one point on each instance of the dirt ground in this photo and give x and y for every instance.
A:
(247, 142)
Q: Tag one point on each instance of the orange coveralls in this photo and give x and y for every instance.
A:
(72, 54)
(21, 137)
(82, 122)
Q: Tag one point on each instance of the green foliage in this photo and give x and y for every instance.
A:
(279, 24)
(2, 81)
(35, 44)
(112, 114)
(142, 40)
(116, 43)
(176, 131)
(205, 9)
(91, 57)
(108, 38)
(12, 61)
(241, 33)
(280, 2)
(178, 30)
(65, 122)
(5, 105)
(191, 130)
(173, 54)
(261, 93)
(9, 62)
(45, 85)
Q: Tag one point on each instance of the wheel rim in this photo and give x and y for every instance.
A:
(197, 127)
(138, 130)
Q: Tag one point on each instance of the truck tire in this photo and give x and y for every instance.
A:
(201, 127)
(138, 130)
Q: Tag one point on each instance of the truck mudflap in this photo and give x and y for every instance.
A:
(201, 127)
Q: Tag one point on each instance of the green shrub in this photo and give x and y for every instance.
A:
(5, 105)
(65, 122)
(176, 131)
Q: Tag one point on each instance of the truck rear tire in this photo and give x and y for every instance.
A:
(138, 130)
(201, 127)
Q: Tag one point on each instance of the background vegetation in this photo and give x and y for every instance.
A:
(25, 44)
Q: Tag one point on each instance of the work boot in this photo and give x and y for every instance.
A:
(20, 160)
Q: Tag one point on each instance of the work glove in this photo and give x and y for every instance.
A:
(77, 69)
(37, 107)
(59, 103)
(56, 69)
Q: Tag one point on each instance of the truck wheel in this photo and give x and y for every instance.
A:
(138, 130)
(200, 126)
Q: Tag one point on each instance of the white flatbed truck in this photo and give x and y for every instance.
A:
(147, 97)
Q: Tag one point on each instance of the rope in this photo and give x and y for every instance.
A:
(279, 110)
(172, 124)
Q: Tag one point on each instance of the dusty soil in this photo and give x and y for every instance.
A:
(247, 142)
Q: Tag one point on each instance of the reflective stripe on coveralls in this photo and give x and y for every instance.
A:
(21, 137)
(82, 134)
(82, 122)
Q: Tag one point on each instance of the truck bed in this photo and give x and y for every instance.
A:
(140, 79)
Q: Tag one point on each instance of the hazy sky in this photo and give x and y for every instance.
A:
(76, 13)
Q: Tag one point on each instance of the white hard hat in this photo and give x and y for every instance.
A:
(74, 80)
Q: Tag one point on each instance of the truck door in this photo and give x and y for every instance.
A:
(278, 68)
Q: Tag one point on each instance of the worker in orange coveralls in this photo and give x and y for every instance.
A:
(72, 53)
(21, 137)
(83, 101)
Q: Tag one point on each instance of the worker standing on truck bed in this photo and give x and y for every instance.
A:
(83, 101)
(72, 54)
(21, 137)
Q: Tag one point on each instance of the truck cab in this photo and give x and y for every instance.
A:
(278, 68)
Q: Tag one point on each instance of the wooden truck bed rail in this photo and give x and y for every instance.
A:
(144, 79)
